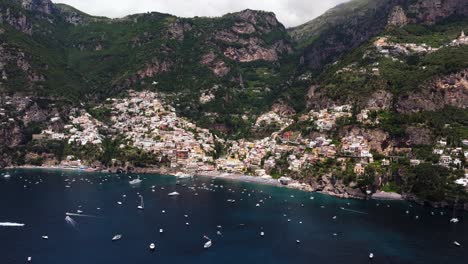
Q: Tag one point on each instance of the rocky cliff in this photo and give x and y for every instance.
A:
(349, 25)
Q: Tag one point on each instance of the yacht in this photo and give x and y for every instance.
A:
(135, 181)
(152, 246)
(208, 243)
(182, 175)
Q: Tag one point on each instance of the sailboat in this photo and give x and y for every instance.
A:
(208, 244)
(141, 206)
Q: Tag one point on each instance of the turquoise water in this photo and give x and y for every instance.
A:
(40, 199)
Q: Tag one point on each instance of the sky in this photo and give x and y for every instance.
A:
(289, 12)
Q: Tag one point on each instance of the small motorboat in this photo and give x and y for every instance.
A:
(29, 259)
(208, 243)
(117, 237)
(174, 194)
(135, 181)
(456, 243)
(6, 176)
(142, 205)
(152, 246)
(161, 231)
(298, 241)
(454, 220)
(262, 233)
(371, 255)
(45, 237)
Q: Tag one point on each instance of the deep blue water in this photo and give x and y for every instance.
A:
(383, 228)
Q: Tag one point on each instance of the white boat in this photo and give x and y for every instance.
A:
(6, 176)
(29, 259)
(371, 255)
(152, 246)
(174, 194)
(45, 237)
(456, 243)
(117, 237)
(142, 205)
(208, 244)
(182, 175)
(262, 233)
(161, 230)
(454, 220)
(135, 181)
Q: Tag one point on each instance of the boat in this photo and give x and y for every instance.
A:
(208, 244)
(182, 175)
(174, 194)
(29, 259)
(152, 246)
(454, 220)
(371, 255)
(262, 233)
(117, 237)
(456, 243)
(135, 181)
(45, 237)
(141, 206)
(6, 176)
(161, 230)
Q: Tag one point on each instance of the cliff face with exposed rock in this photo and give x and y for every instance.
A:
(349, 25)
(450, 90)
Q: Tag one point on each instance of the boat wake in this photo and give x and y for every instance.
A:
(81, 215)
(354, 211)
(9, 224)
(70, 221)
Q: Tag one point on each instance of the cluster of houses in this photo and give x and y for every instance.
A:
(384, 46)
(272, 117)
(451, 157)
(325, 119)
(461, 40)
(153, 127)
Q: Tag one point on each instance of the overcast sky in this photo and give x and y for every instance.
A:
(289, 12)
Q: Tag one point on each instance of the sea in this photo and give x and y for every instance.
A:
(297, 226)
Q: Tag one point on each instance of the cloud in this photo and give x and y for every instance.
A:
(289, 12)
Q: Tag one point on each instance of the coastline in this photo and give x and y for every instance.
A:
(165, 171)
(296, 185)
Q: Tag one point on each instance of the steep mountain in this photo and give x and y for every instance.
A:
(351, 24)
(56, 50)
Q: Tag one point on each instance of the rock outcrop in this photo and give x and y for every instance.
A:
(450, 90)
(397, 17)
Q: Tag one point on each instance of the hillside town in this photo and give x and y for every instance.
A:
(143, 121)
